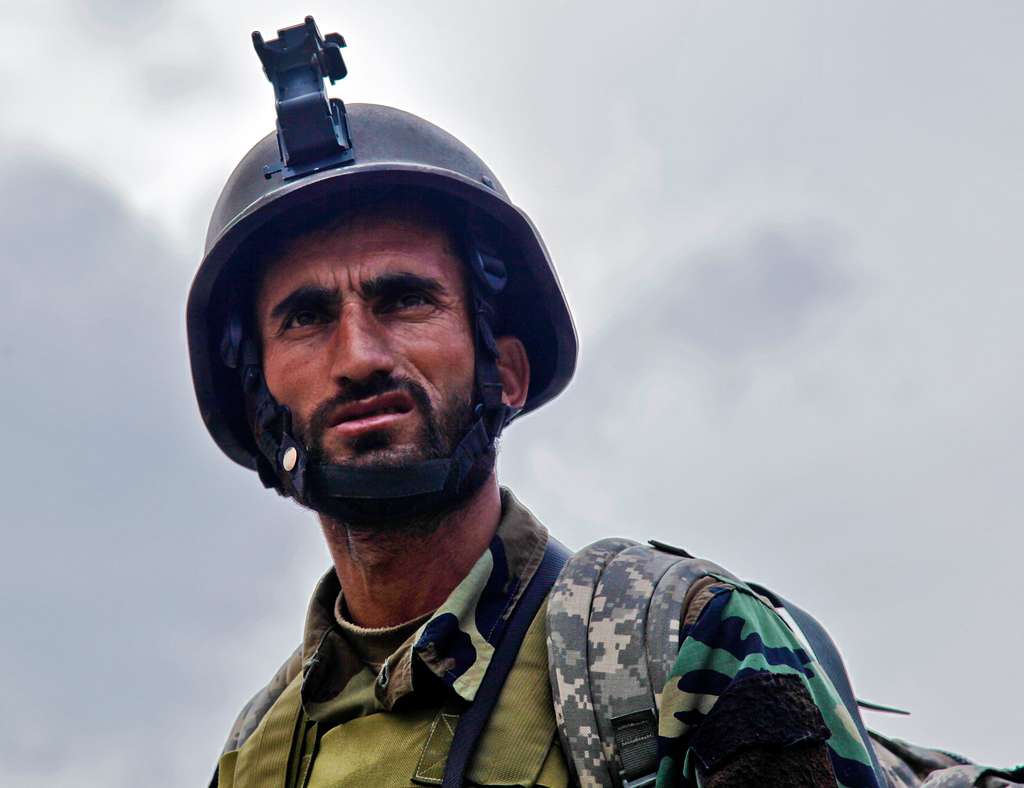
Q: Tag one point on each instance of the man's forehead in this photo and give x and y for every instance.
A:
(366, 245)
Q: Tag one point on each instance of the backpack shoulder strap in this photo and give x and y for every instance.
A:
(473, 721)
(613, 625)
(568, 621)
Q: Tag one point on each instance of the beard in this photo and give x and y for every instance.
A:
(441, 430)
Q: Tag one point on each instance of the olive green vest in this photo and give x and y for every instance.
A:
(407, 748)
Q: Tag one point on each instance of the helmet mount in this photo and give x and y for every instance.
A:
(312, 129)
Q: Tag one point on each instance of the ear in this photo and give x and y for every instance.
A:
(514, 371)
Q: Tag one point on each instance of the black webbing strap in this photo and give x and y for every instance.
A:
(472, 723)
(827, 654)
(335, 481)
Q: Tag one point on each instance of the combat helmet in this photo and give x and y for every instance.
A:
(322, 151)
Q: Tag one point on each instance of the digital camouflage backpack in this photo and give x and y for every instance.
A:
(614, 627)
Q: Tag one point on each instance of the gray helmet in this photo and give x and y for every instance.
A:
(382, 149)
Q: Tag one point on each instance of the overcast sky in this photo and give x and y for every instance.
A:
(791, 235)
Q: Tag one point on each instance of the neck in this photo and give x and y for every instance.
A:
(392, 576)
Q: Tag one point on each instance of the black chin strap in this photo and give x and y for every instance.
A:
(429, 476)
(334, 481)
(353, 494)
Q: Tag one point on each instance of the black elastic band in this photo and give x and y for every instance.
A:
(422, 478)
(334, 481)
(472, 723)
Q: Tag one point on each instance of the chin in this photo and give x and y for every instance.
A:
(377, 449)
(385, 458)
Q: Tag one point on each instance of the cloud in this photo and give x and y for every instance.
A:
(759, 296)
(696, 337)
(114, 500)
(125, 22)
(753, 296)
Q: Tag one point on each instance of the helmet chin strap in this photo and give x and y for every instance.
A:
(354, 494)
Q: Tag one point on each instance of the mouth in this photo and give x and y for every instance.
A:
(373, 413)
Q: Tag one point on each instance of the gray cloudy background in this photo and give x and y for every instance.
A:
(791, 233)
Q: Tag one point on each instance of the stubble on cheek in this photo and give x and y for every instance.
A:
(435, 436)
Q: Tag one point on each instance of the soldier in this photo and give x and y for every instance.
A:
(370, 313)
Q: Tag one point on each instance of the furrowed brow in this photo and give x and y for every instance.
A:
(306, 297)
(393, 284)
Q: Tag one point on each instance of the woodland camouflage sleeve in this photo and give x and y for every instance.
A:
(745, 704)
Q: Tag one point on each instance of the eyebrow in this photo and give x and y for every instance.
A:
(307, 296)
(401, 281)
(383, 286)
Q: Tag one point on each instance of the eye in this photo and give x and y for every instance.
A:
(411, 301)
(302, 318)
(415, 300)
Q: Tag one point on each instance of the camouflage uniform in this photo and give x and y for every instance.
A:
(435, 673)
(457, 641)
(738, 661)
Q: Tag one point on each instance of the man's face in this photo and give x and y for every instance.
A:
(366, 338)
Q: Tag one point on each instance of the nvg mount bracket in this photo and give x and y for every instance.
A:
(312, 131)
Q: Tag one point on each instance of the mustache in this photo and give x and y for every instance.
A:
(362, 389)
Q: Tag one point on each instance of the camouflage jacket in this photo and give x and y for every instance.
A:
(744, 692)
(741, 691)
(455, 644)
(441, 664)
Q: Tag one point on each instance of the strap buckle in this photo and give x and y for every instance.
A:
(636, 745)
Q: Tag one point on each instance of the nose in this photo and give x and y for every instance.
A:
(361, 348)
